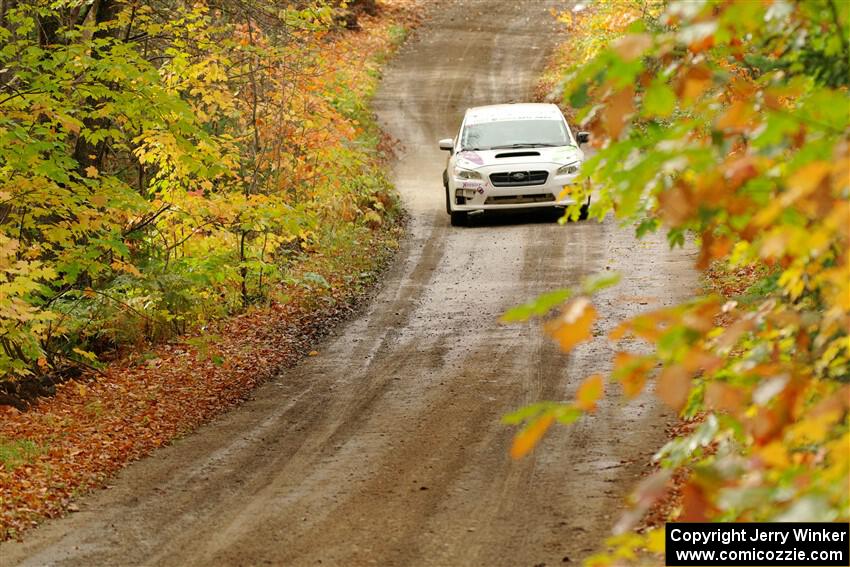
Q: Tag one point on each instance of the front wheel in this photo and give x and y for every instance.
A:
(458, 218)
(446, 186)
(585, 210)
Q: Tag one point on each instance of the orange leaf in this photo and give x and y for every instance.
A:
(677, 204)
(693, 83)
(712, 247)
(618, 107)
(620, 331)
(528, 438)
(736, 117)
(764, 426)
(734, 332)
(589, 392)
(674, 386)
(631, 371)
(695, 504)
(702, 44)
(723, 397)
(574, 323)
(740, 171)
(632, 46)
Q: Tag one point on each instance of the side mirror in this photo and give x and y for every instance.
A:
(447, 144)
(582, 137)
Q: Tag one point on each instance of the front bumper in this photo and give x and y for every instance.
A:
(482, 195)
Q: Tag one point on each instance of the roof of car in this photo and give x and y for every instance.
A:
(522, 111)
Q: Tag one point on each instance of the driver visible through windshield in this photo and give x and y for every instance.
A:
(514, 134)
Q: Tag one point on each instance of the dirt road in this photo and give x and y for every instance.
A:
(386, 449)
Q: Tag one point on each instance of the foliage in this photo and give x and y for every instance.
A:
(71, 442)
(729, 123)
(164, 163)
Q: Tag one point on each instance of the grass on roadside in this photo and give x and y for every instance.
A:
(18, 452)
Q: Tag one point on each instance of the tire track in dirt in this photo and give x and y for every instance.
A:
(387, 449)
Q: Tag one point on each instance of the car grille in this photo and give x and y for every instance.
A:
(519, 199)
(518, 178)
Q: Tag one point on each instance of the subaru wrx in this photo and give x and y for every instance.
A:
(511, 156)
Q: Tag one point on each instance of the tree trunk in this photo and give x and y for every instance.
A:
(87, 154)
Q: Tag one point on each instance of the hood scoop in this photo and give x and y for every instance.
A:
(517, 154)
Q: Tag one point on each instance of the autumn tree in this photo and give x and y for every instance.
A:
(163, 163)
(726, 125)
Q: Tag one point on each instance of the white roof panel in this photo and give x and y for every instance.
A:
(501, 112)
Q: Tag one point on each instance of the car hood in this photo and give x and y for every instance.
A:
(474, 159)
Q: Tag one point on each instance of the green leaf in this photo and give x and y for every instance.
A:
(537, 307)
(317, 279)
(659, 100)
(579, 97)
(598, 282)
(527, 413)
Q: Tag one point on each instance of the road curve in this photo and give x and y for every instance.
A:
(386, 449)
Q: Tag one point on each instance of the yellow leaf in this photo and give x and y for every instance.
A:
(125, 267)
(774, 454)
(91, 171)
(85, 354)
(528, 438)
(574, 323)
(655, 541)
(806, 179)
(815, 429)
(589, 392)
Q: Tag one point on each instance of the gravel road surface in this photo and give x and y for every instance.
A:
(386, 448)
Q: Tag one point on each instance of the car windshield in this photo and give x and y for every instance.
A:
(514, 134)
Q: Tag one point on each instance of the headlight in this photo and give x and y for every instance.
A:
(568, 169)
(466, 174)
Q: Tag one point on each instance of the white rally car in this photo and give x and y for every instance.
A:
(511, 156)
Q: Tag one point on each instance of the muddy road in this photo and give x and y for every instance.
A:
(386, 449)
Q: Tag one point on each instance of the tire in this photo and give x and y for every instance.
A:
(557, 213)
(459, 218)
(585, 210)
(446, 186)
